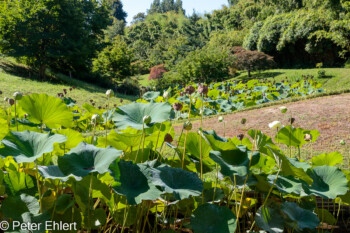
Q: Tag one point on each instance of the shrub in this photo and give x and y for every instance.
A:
(129, 87)
(157, 72)
(169, 79)
(251, 60)
(205, 65)
(114, 62)
(321, 74)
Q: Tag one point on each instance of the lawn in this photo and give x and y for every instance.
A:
(336, 78)
(10, 83)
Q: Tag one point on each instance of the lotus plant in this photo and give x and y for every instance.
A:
(17, 96)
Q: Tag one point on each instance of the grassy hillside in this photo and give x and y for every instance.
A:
(14, 78)
(336, 78)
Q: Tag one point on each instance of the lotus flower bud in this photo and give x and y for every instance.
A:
(147, 119)
(203, 89)
(95, 119)
(220, 119)
(283, 109)
(243, 121)
(177, 106)
(240, 136)
(109, 93)
(275, 125)
(166, 95)
(11, 101)
(308, 137)
(190, 90)
(168, 138)
(342, 142)
(17, 95)
(188, 126)
(6, 99)
(291, 120)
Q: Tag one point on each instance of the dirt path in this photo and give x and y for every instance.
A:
(330, 115)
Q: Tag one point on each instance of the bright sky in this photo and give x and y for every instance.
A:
(132, 7)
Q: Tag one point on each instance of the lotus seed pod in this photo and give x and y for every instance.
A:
(177, 106)
(109, 93)
(168, 138)
(240, 136)
(243, 121)
(121, 100)
(188, 126)
(11, 101)
(147, 119)
(17, 95)
(283, 109)
(342, 142)
(166, 95)
(291, 120)
(0, 92)
(190, 90)
(203, 89)
(275, 125)
(220, 119)
(308, 137)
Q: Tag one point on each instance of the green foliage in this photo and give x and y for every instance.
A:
(204, 65)
(114, 62)
(26, 32)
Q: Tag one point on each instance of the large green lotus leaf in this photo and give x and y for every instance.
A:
(193, 148)
(330, 159)
(19, 182)
(218, 143)
(182, 184)
(287, 168)
(325, 216)
(133, 181)
(235, 162)
(49, 110)
(151, 95)
(299, 218)
(27, 146)
(86, 158)
(287, 184)
(261, 141)
(132, 115)
(296, 163)
(269, 219)
(14, 207)
(329, 182)
(73, 140)
(120, 140)
(210, 218)
(291, 136)
(54, 173)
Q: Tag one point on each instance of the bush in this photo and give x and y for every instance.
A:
(129, 87)
(321, 74)
(157, 72)
(251, 60)
(169, 79)
(114, 62)
(205, 65)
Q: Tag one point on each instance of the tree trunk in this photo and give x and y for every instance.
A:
(42, 72)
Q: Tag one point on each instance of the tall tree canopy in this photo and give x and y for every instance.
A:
(52, 33)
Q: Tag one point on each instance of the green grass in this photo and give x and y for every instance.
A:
(18, 80)
(337, 78)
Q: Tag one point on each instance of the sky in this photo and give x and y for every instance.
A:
(132, 7)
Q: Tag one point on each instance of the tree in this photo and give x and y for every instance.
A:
(251, 60)
(114, 62)
(140, 17)
(155, 7)
(117, 10)
(52, 33)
